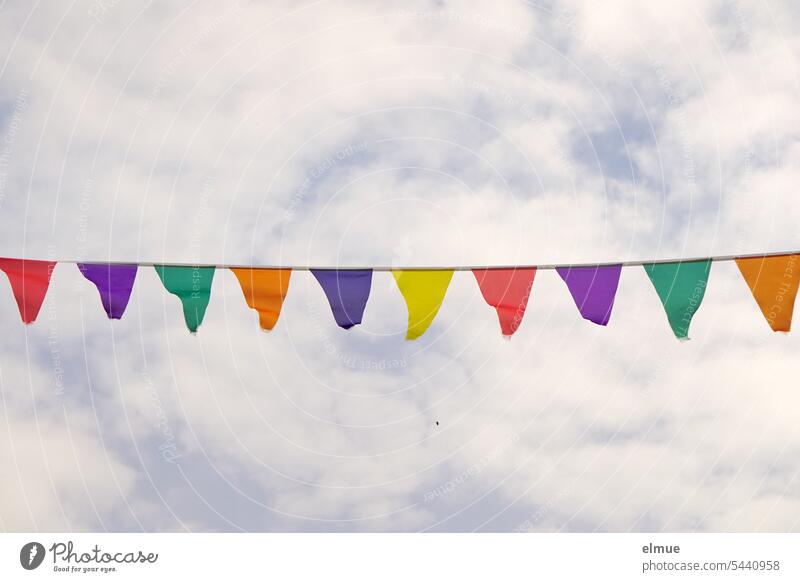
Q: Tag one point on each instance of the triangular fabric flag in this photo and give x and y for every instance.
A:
(114, 283)
(192, 285)
(264, 290)
(507, 290)
(423, 292)
(29, 282)
(593, 289)
(774, 282)
(681, 287)
(347, 292)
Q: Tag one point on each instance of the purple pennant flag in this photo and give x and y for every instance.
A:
(347, 292)
(114, 282)
(593, 289)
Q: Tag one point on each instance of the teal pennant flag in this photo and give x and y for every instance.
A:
(192, 285)
(681, 287)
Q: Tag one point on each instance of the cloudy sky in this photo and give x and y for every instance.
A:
(418, 133)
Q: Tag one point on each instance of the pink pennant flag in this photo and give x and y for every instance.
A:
(507, 290)
(29, 282)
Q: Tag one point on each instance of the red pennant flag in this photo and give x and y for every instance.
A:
(29, 281)
(507, 290)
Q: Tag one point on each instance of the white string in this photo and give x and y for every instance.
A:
(717, 258)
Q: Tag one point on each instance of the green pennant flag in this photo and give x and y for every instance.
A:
(192, 285)
(681, 287)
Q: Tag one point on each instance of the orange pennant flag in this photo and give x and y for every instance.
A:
(264, 290)
(774, 282)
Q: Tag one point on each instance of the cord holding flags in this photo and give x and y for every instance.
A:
(773, 279)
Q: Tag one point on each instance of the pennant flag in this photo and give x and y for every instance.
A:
(264, 290)
(347, 293)
(593, 289)
(774, 282)
(29, 282)
(114, 283)
(192, 285)
(423, 292)
(681, 287)
(507, 290)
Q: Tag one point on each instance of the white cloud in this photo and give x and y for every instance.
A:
(436, 133)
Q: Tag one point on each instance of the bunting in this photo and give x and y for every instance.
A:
(773, 279)
(423, 292)
(113, 282)
(192, 285)
(507, 290)
(681, 287)
(29, 282)
(593, 289)
(264, 290)
(774, 282)
(347, 293)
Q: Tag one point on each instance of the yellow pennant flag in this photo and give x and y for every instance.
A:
(424, 292)
(264, 290)
(774, 282)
